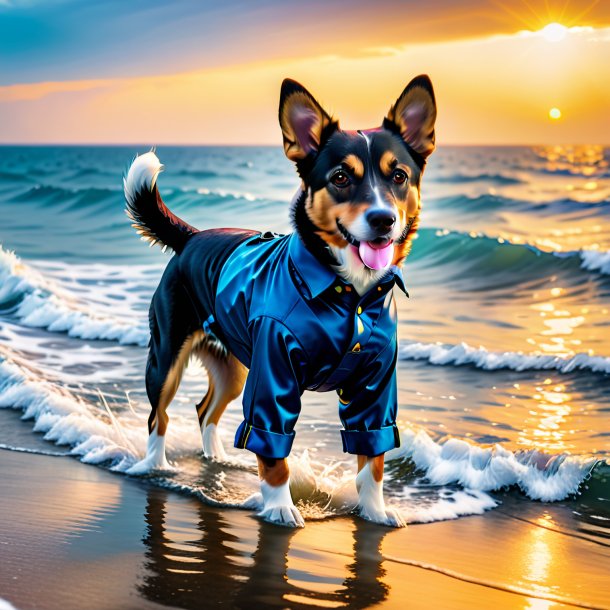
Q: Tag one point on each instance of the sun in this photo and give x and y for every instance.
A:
(554, 114)
(554, 32)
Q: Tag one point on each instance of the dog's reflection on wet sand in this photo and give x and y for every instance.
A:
(202, 558)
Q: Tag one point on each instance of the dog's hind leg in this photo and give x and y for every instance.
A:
(226, 377)
(174, 335)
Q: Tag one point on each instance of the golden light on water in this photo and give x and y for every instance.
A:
(548, 426)
(537, 555)
(554, 114)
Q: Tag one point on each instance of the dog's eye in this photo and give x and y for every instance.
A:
(399, 176)
(340, 179)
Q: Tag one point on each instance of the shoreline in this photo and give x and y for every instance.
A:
(76, 536)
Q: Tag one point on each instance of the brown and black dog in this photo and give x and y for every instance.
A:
(310, 310)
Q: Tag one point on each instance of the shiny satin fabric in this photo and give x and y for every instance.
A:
(297, 326)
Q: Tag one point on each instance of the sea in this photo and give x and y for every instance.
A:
(504, 343)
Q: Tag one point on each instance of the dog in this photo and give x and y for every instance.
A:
(311, 310)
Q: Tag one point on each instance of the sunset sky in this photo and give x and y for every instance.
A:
(188, 72)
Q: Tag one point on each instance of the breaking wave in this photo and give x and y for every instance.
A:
(40, 302)
(539, 475)
(465, 355)
(116, 438)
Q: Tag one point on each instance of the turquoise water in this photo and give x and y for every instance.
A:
(504, 354)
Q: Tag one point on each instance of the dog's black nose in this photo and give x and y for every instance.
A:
(381, 220)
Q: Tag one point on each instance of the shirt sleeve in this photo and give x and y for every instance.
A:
(368, 405)
(272, 396)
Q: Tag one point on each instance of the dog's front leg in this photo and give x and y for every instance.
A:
(369, 483)
(276, 500)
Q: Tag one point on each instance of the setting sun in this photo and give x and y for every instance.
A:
(554, 114)
(554, 32)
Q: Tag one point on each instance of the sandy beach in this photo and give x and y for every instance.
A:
(77, 537)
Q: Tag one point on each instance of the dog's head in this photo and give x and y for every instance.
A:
(361, 189)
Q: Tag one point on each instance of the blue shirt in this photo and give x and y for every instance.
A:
(297, 326)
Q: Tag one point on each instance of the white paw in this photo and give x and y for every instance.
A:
(371, 505)
(287, 515)
(150, 464)
(278, 506)
(155, 459)
(386, 516)
(254, 502)
(213, 448)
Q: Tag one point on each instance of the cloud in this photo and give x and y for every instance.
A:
(37, 91)
(489, 91)
(78, 39)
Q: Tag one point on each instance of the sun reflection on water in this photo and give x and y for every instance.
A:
(583, 160)
(540, 549)
(547, 427)
(559, 336)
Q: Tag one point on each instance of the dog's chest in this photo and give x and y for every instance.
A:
(342, 334)
(339, 331)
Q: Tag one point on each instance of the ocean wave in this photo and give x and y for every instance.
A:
(18, 449)
(485, 203)
(64, 419)
(483, 256)
(87, 172)
(39, 302)
(596, 260)
(6, 176)
(53, 195)
(328, 490)
(200, 173)
(117, 441)
(457, 475)
(499, 179)
(229, 194)
(540, 476)
(465, 355)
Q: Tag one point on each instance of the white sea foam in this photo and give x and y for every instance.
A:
(34, 451)
(39, 300)
(65, 419)
(228, 194)
(97, 435)
(539, 476)
(451, 505)
(118, 442)
(596, 260)
(464, 354)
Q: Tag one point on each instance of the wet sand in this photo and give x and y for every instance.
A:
(74, 536)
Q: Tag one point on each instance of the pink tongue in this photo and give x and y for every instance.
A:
(376, 258)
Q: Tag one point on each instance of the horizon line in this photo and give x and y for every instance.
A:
(254, 145)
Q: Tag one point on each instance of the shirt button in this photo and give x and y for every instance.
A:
(348, 289)
(359, 310)
(339, 289)
(379, 289)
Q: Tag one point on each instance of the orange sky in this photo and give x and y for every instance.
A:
(495, 84)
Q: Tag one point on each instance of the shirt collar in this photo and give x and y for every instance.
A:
(318, 277)
(396, 273)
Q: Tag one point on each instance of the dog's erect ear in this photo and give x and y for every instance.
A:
(303, 121)
(413, 115)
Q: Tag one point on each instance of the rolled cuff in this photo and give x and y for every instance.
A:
(370, 442)
(263, 442)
